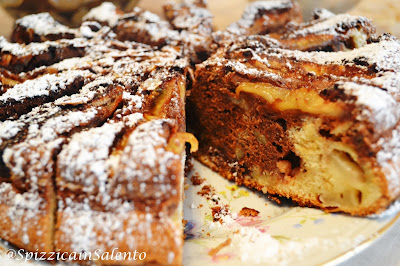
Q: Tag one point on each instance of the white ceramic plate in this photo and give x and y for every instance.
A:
(280, 234)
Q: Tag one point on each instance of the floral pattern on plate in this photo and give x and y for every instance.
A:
(278, 234)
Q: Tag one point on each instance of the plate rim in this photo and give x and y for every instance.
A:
(342, 257)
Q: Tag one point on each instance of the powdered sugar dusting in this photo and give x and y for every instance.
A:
(9, 129)
(148, 16)
(23, 210)
(106, 12)
(322, 13)
(42, 86)
(155, 29)
(389, 158)
(253, 10)
(64, 123)
(83, 160)
(244, 69)
(80, 225)
(150, 158)
(102, 154)
(33, 158)
(379, 55)
(86, 229)
(191, 17)
(389, 81)
(379, 106)
(332, 25)
(21, 49)
(87, 93)
(256, 247)
(86, 163)
(28, 204)
(35, 48)
(32, 120)
(70, 64)
(43, 24)
(134, 100)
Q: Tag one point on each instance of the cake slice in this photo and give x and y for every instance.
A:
(20, 58)
(28, 147)
(120, 185)
(263, 17)
(283, 23)
(92, 144)
(327, 32)
(39, 28)
(320, 128)
(189, 26)
(128, 199)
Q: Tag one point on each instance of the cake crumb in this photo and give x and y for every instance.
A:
(196, 179)
(275, 198)
(248, 212)
(285, 167)
(218, 212)
(215, 250)
(188, 164)
(207, 191)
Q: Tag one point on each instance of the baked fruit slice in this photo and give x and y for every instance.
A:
(320, 128)
(92, 143)
(282, 21)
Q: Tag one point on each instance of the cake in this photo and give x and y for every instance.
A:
(310, 114)
(93, 121)
(92, 137)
